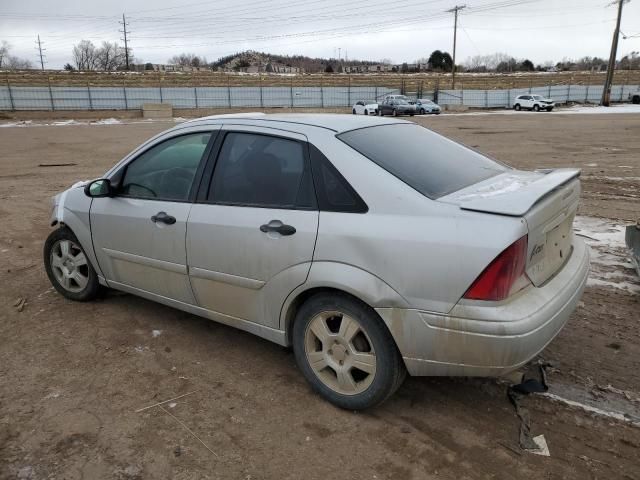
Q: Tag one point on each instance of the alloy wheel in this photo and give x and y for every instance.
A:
(340, 352)
(69, 265)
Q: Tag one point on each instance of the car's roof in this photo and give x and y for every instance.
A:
(331, 121)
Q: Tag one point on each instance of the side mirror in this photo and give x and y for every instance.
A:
(99, 188)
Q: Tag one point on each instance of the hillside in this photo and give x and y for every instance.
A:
(244, 60)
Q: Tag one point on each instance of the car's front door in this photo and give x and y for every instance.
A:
(251, 234)
(139, 234)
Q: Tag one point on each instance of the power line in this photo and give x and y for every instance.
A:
(455, 11)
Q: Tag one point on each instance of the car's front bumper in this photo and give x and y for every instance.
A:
(478, 340)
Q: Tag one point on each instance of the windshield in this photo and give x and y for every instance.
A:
(426, 102)
(401, 101)
(536, 97)
(426, 161)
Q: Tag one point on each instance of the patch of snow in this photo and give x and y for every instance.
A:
(107, 121)
(610, 258)
(589, 408)
(590, 164)
(179, 119)
(24, 123)
(585, 109)
(172, 405)
(52, 395)
(62, 123)
(156, 333)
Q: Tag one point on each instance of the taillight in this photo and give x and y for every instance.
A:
(497, 281)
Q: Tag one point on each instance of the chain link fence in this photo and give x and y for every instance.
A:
(131, 98)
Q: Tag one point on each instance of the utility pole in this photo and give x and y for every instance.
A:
(606, 92)
(39, 43)
(126, 45)
(455, 11)
(339, 53)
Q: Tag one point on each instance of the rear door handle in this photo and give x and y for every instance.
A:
(279, 227)
(162, 217)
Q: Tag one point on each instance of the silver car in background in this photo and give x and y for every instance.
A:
(318, 232)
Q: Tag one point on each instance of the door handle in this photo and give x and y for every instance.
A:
(163, 218)
(279, 227)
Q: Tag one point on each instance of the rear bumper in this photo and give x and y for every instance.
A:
(475, 339)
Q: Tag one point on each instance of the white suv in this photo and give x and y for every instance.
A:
(533, 102)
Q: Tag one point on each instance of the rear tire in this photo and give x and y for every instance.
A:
(353, 111)
(346, 352)
(422, 111)
(517, 107)
(68, 267)
(635, 99)
(394, 112)
(366, 112)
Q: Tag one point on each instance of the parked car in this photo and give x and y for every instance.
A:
(634, 97)
(395, 107)
(533, 102)
(424, 105)
(339, 235)
(363, 108)
(397, 97)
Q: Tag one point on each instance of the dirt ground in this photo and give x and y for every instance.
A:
(73, 375)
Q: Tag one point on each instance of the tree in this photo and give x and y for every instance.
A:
(188, 60)
(85, 55)
(68, 67)
(11, 62)
(440, 61)
(4, 51)
(148, 66)
(110, 56)
(328, 68)
(404, 68)
(268, 68)
(527, 66)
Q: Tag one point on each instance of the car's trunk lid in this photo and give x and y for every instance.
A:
(547, 200)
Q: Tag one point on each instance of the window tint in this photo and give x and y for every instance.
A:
(261, 170)
(333, 191)
(167, 170)
(424, 160)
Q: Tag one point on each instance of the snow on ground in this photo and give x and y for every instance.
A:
(65, 123)
(576, 109)
(611, 264)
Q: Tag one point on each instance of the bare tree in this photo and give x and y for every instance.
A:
(110, 56)
(188, 60)
(85, 55)
(4, 51)
(15, 63)
(11, 62)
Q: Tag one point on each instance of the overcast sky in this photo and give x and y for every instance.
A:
(401, 30)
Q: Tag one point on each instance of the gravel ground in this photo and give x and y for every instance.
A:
(73, 375)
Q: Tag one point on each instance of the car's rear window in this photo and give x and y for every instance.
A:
(424, 160)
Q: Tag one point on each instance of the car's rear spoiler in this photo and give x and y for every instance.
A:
(519, 201)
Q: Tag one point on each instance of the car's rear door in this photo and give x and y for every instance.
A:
(139, 234)
(252, 232)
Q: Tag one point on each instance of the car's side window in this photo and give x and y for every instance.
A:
(334, 193)
(262, 171)
(166, 171)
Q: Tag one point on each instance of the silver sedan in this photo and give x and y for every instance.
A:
(338, 235)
